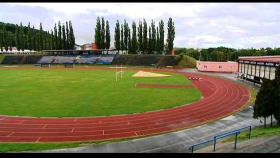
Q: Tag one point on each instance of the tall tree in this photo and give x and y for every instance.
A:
(72, 36)
(276, 94)
(102, 33)
(122, 40)
(145, 38)
(63, 37)
(67, 37)
(153, 37)
(161, 36)
(1, 37)
(140, 36)
(134, 45)
(108, 36)
(17, 37)
(265, 103)
(55, 37)
(158, 42)
(41, 37)
(117, 36)
(34, 39)
(5, 34)
(9, 41)
(52, 40)
(170, 36)
(125, 40)
(59, 36)
(150, 41)
(46, 40)
(22, 39)
(29, 37)
(129, 42)
(97, 35)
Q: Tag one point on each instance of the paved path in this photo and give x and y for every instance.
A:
(266, 144)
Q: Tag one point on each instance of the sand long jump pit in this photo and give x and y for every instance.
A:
(148, 74)
(151, 74)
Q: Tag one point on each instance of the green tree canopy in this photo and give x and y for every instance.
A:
(170, 36)
(265, 102)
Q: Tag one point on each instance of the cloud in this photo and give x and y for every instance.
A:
(198, 25)
(130, 10)
(67, 8)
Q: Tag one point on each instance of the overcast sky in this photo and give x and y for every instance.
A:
(197, 25)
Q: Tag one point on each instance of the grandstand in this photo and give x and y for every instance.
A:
(12, 59)
(106, 59)
(64, 59)
(86, 59)
(81, 58)
(46, 59)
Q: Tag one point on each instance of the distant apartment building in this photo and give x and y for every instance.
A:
(90, 46)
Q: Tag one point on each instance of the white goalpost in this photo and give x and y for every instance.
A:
(118, 72)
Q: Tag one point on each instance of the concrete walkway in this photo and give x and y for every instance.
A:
(267, 144)
(176, 142)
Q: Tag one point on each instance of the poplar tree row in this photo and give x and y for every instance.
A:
(102, 35)
(137, 39)
(22, 37)
(141, 39)
(62, 37)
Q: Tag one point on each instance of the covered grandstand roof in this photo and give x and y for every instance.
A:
(78, 51)
(272, 59)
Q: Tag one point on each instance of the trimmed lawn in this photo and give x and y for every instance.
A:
(83, 93)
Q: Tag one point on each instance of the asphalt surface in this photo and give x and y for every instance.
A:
(180, 141)
(266, 144)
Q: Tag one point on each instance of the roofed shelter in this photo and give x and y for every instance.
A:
(254, 68)
(78, 52)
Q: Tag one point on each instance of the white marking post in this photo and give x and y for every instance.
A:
(117, 72)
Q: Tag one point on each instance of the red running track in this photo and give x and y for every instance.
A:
(220, 97)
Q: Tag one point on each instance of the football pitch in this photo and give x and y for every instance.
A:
(65, 92)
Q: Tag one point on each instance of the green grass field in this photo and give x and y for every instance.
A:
(84, 93)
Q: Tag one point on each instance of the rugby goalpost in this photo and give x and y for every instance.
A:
(118, 72)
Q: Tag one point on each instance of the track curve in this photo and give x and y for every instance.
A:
(220, 97)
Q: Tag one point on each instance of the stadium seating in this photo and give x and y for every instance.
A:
(99, 59)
